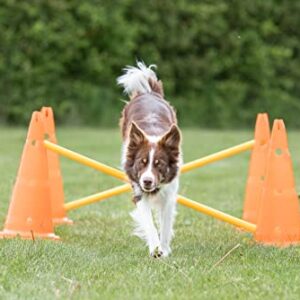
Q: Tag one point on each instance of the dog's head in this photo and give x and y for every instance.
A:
(151, 162)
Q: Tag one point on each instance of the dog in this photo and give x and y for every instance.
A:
(151, 155)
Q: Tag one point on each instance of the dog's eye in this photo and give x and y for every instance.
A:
(144, 161)
(156, 162)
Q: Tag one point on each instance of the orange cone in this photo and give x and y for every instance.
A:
(257, 169)
(29, 214)
(278, 221)
(55, 178)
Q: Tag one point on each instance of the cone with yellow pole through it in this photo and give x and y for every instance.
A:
(29, 215)
(278, 221)
(59, 216)
(257, 169)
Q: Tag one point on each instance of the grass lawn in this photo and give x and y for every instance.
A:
(98, 257)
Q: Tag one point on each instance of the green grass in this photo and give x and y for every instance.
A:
(98, 257)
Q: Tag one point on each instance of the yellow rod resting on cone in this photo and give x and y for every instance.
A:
(216, 214)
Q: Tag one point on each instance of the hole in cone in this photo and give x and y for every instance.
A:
(278, 151)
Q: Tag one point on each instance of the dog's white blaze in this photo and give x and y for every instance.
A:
(148, 172)
(153, 138)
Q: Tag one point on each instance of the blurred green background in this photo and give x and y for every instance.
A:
(221, 61)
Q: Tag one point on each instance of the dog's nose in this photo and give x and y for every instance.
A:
(147, 182)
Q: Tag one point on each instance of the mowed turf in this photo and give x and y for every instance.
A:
(98, 258)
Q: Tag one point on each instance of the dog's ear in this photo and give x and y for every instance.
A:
(171, 140)
(136, 135)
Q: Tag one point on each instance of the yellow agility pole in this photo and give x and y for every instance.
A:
(85, 160)
(126, 187)
(216, 214)
(217, 156)
(121, 175)
(182, 200)
(98, 197)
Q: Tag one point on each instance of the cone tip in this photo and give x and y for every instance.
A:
(36, 116)
(262, 128)
(278, 125)
(47, 111)
(48, 118)
(36, 128)
(263, 118)
(260, 115)
(279, 135)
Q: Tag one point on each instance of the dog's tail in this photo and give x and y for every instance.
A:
(140, 80)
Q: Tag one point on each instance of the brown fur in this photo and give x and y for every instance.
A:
(150, 115)
(165, 160)
(157, 87)
(138, 150)
(138, 111)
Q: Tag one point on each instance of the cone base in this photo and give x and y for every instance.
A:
(62, 221)
(282, 244)
(27, 235)
(278, 245)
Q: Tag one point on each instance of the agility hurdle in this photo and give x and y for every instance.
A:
(267, 193)
(127, 187)
(271, 208)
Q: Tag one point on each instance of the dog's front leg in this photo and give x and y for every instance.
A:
(167, 217)
(145, 228)
(168, 212)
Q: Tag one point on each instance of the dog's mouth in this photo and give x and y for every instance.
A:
(150, 191)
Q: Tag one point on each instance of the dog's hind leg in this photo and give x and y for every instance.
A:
(145, 228)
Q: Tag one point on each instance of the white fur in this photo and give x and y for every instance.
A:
(164, 202)
(124, 154)
(167, 214)
(136, 79)
(148, 172)
(153, 138)
(145, 228)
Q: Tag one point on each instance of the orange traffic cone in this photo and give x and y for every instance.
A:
(257, 169)
(55, 178)
(278, 220)
(29, 214)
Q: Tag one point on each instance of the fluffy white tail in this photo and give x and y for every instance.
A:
(135, 80)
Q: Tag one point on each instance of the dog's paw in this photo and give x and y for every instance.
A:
(166, 252)
(166, 249)
(157, 253)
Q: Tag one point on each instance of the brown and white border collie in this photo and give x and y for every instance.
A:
(151, 155)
